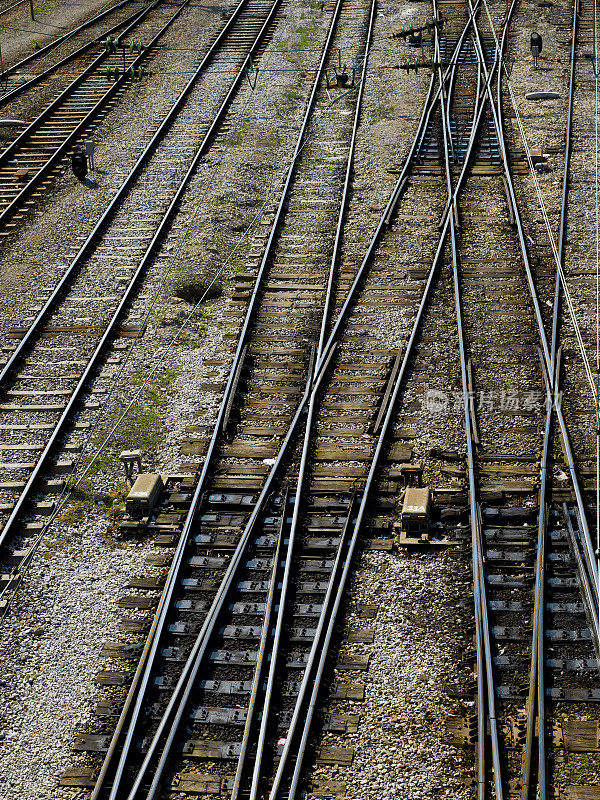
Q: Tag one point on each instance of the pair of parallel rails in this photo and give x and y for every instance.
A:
(278, 545)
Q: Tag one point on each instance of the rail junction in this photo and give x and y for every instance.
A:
(403, 378)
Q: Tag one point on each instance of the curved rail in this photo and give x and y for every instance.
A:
(486, 697)
(546, 352)
(134, 701)
(549, 361)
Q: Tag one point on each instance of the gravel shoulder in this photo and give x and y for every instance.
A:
(18, 31)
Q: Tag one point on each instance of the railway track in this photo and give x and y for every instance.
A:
(56, 356)
(275, 384)
(315, 436)
(192, 649)
(513, 613)
(29, 162)
(34, 69)
(534, 571)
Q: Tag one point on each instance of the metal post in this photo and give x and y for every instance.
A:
(31, 9)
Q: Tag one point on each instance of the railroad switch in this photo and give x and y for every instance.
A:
(414, 36)
(130, 459)
(340, 75)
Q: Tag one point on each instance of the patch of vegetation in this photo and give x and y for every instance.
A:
(142, 428)
(305, 34)
(109, 504)
(578, 767)
(43, 7)
(302, 39)
(236, 139)
(194, 289)
(56, 545)
(255, 137)
(381, 112)
(269, 140)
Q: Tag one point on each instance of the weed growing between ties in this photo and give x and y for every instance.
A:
(381, 112)
(302, 39)
(579, 768)
(142, 428)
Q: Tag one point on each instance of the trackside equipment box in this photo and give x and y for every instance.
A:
(415, 510)
(143, 495)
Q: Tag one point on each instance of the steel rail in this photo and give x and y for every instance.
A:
(30, 82)
(536, 681)
(47, 48)
(477, 533)
(548, 362)
(72, 137)
(135, 697)
(264, 651)
(389, 208)
(479, 589)
(251, 719)
(134, 700)
(484, 656)
(584, 578)
(568, 451)
(184, 688)
(108, 334)
(482, 661)
(561, 244)
(322, 649)
(10, 8)
(150, 651)
(309, 422)
(152, 642)
(85, 249)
